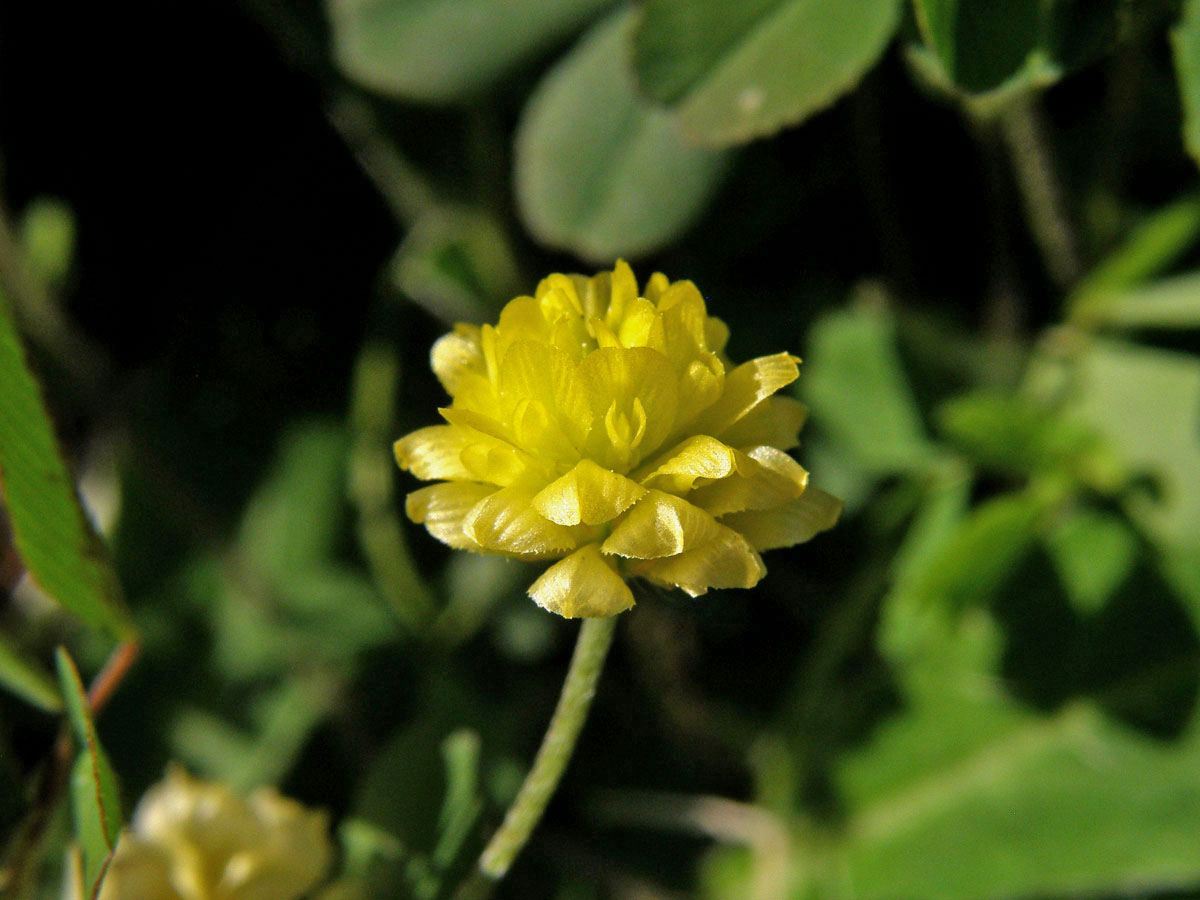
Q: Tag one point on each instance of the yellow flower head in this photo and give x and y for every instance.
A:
(607, 429)
(196, 840)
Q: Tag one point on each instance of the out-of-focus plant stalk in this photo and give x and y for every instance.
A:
(372, 488)
(1023, 131)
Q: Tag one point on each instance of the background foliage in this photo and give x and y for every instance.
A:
(229, 240)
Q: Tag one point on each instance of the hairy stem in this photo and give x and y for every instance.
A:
(591, 649)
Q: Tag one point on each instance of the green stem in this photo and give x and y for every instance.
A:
(1024, 132)
(591, 648)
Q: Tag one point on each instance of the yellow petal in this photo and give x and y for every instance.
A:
(765, 477)
(455, 354)
(558, 296)
(489, 454)
(496, 463)
(795, 522)
(775, 421)
(522, 318)
(642, 327)
(659, 525)
(588, 494)
(656, 287)
(433, 453)
(622, 289)
(476, 392)
(583, 584)
(683, 317)
(603, 335)
(441, 508)
(506, 522)
(535, 371)
(745, 387)
(678, 469)
(728, 561)
(613, 380)
(700, 386)
(716, 334)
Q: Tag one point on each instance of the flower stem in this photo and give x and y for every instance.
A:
(591, 648)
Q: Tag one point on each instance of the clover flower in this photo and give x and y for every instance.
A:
(196, 840)
(606, 428)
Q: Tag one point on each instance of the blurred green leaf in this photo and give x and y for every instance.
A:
(858, 392)
(1151, 246)
(457, 263)
(980, 44)
(727, 873)
(1015, 433)
(281, 718)
(1185, 42)
(372, 480)
(996, 51)
(1018, 805)
(965, 792)
(598, 171)
(986, 546)
(445, 50)
(48, 239)
(1094, 553)
(294, 518)
(734, 72)
(462, 802)
(1146, 404)
(285, 579)
(63, 554)
(364, 846)
(25, 678)
(1170, 303)
(908, 612)
(401, 793)
(95, 798)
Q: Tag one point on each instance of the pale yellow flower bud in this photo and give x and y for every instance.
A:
(197, 840)
(606, 428)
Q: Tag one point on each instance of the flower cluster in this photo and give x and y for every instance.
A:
(607, 429)
(195, 840)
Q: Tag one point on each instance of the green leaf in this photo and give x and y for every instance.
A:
(372, 481)
(26, 678)
(48, 239)
(1146, 404)
(1154, 244)
(456, 263)
(855, 384)
(1094, 552)
(462, 803)
(732, 72)
(281, 719)
(907, 615)
(986, 546)
(598, 171)
(1170, 303)
(1018, 805)
(1185, 42)
(966, 793)
(444, 50)
(293, 520)
(400, 792)
(95, 798)
(980, 44)
(63, 554)
(1014, 433)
